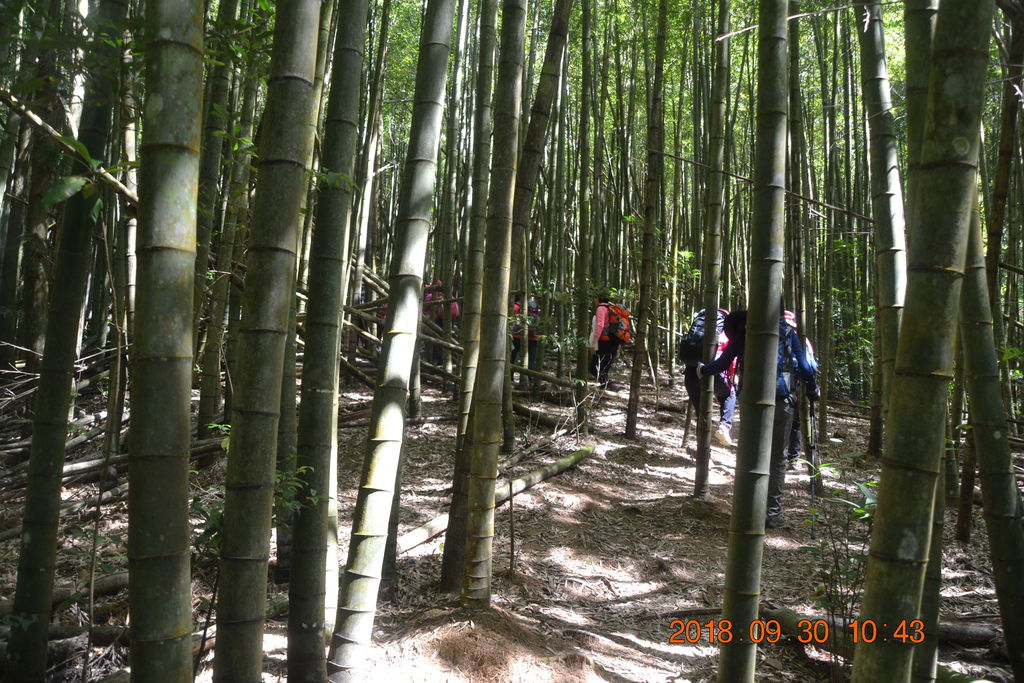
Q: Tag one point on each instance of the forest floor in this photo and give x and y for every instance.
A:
(609, 559)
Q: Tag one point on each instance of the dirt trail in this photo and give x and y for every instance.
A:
(607, 555)
(604, 555)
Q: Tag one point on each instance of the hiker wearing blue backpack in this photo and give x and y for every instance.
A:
(690, 349)
(791, 365)
(795, 446)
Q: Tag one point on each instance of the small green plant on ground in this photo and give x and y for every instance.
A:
(842, 525)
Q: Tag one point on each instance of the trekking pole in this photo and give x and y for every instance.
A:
(812, 458)
(686, 425)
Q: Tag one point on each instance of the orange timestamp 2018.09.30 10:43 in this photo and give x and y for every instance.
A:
(809, 631)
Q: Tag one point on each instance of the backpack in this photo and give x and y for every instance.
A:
(620, 327)
(786, 363)
(735, 325)
(691, 346)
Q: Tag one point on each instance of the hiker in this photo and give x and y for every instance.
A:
(604, 342)
(532, 319)
(794, 448)
(436, 312)
(791, 364)
(725, 389)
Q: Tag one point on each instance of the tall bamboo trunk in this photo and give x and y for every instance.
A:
(237, 195)
(532, 154)
(711, 268)
(487, 395)
(381, 467)
(266, 305)
(746, 528)
(581, 276)
(646, 311)
(999, 493)
(911, 454)
(367, 175)
(213, 144)
(159, 544)
(37, 556)
(886, 192)
(455, 538)
(311, 593)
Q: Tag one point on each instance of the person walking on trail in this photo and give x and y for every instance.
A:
(436, 312)
(795, 446)
(603, 345)
(532, 319)
(791, 365)
(725, 389)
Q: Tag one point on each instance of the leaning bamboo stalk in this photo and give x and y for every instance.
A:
(60, 140)
(426, 337)
(381, 473)
(437, 526)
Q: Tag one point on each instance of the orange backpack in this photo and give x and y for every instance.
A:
(620, 327)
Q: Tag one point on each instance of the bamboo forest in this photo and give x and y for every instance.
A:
(405, 340)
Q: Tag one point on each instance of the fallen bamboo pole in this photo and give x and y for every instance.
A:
(541, 418)
(550, 379)
(15, 478)
(357, 373)
(12, 457)
(436, 526)
(408, 421)
(71, 593)
(517, 457)
(109, 496)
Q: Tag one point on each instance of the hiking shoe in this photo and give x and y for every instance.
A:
(773, 522)
(722, 436)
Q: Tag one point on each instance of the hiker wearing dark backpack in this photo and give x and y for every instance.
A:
(606, 334)
(690, 349)
(791, 365)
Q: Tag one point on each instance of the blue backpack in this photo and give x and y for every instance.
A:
(786, 363)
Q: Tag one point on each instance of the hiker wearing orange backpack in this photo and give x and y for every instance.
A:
(610, 328)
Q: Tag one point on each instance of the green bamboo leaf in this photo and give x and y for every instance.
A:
(63, 189)
(94, 211)
(80, 148)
